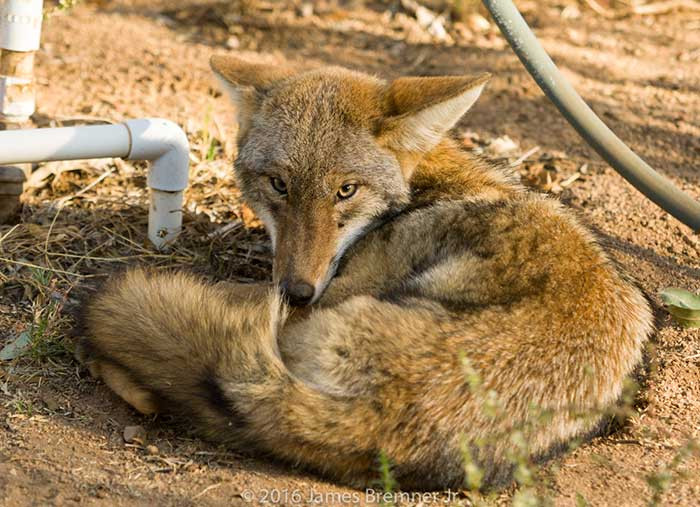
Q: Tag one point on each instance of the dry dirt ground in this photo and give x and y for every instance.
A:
(61, 433)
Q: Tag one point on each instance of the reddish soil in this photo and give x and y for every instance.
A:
(61, 432)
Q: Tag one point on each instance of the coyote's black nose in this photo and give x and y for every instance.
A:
(299, 293)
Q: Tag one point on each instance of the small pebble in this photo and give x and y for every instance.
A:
(306, 9)
(503, 146)
(478, 23)
(152, 450)
(134, 435)
(51, 403)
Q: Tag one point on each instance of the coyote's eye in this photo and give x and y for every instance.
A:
(347, 190)
(279, 185)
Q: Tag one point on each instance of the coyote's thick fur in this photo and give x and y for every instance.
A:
(438, 306)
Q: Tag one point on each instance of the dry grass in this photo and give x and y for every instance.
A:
(82, 221)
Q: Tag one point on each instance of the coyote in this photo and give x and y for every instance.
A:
(414, 284)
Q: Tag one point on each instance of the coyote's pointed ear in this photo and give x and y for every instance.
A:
(422, 109)
(245, 82)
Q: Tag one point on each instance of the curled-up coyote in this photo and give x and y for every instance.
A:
(407, 268)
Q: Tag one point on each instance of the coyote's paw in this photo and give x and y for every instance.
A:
(119, 380)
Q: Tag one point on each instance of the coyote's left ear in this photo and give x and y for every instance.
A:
(422, 109)
(246, 81)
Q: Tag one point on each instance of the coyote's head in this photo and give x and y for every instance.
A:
(324, 154)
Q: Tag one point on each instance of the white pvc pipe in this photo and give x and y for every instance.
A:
(165, 144)
(20, 24)
(20, 34)
(160, 141)
(66, 143)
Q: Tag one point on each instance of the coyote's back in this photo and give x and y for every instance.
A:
(450, 309)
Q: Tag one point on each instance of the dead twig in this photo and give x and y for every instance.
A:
(601, 10)
(525, 156)
(206, 490)
(43, 268)
(64, 200)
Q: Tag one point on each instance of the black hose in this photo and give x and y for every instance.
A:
(538, 63)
